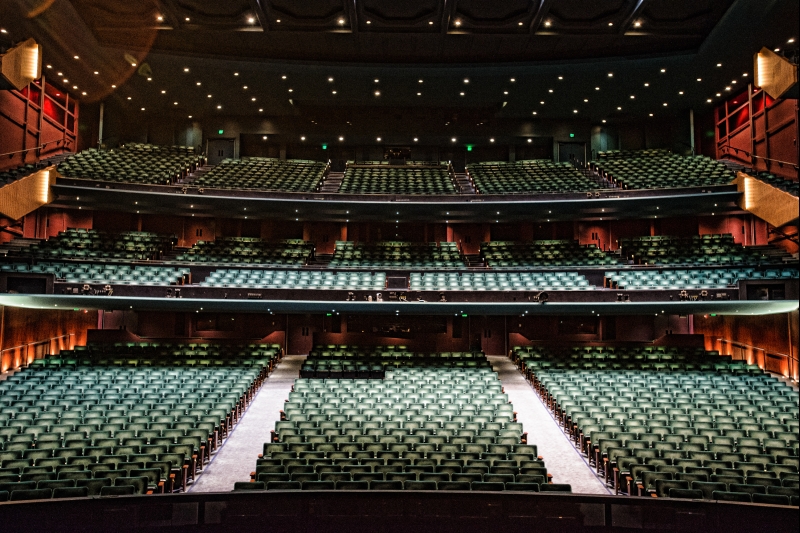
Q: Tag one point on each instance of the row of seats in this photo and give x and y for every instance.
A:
(697, 250)
(133, 163)
(79, 243)
(691, 416)
(289, 252)
(499, 281)
(544, 253)
(11, 175)
(784, 184)
(655, 169)
(383, 179)
(264, 174)
(292, 279)
(397, 484)
(350, 362)
(529, 177)
(107, 274)
(715, 278)
(435, 420)
(391, 254)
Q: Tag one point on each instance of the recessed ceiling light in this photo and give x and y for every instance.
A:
(74, 86)
(253, 99)
(3, 30)
(637, 24)
(665, 104)
(491, 140)
(209, 96)
(341, 138)
(376, 80)
(561, 77)
(190, 116)
(49, 66)
(709, 100)
(619, 108)
(505, 92)
(283, 77)
(187, 19)
(458, 23)
(663, 70)
(513, 80)
(75, 57)
(719, 64)
(379, 139)
(129, 98)
(610, 23)
(264, 138)
(149, 79)
(453, 139)
(219, 107)
(647, 85)
(261, 110)
(542, 102)
(535, 113)
(790, 41)
(651, 114)
(574, 110)
(113, 86)
(60, 73)
(550, 90)
(430, 22)
(419, 94)
(744, 75)
(369, 22)
(728, 88)
(610, 74)
(718, 94)
(597, 88)
(547, 23)
(699, 79)
(235, 73)
(519, 23)
(377, 93)
(278, 21)
(416, 139)
(199, 83)
(777, 49)
(604, 121)
(291, 90)
(633, 96)
(163, 91)
(333, 92)
(341, 21)
(586, 100)
(251, 20)
(142, 109)
(680, 92)
(733, 81)
(466, 80)
(174, 103)
(530, 140)
(303, 138)
(330, 79)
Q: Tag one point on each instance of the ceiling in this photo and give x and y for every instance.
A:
(587, 60)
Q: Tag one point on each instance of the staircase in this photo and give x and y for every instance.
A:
(474, 261)
(320, 260)
(192, 176)
(331, 182)
(464, 184)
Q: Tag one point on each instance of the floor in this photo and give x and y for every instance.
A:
(236, 458)
(562, 459)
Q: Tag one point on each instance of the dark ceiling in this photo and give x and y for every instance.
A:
(516, 54)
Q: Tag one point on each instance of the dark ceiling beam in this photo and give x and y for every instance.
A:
(352, 14)
(541, 14)
(631, 17)
(260, 9)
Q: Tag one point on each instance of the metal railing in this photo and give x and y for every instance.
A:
(739, 351)
(24, 354)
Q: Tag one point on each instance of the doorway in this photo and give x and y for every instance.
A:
(219, 149)
(572, 151)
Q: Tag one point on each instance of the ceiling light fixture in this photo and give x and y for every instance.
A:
(466, 80)
(610, 74)
(341, 22)
(416, 139)
(341, 138)
(303, 138)
(379, 139)
(251, 20)
(377, 93)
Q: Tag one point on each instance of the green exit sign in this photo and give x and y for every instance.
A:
(572, 135)
(221, 132)
(324, 146)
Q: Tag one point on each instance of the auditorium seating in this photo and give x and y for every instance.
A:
(393, 254)
(13, 174)
(114, 274)
(714, 278)
(79, 243)
(499, 281)
(544, 253)
(529, 177)
(698, 250)
(786, 185)
(656, 419)
(142, 415)
(656, 169)
(436, 421)
(390, 179)
(293, 279)
(288, 252)
(264, 174)
(132, 163)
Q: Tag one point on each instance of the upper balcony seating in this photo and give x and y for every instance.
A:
(715, 278)
(288, 252)
(544, 253)
(407, 179)
(295, 279)
(529, 177)
(132, 163)
(786, 185)
(264, 174)
(141, 415)
(13, 174)
(655, 169)
(93, 244)
(394, 254)
(113, 274)
(500, 281)
(654, 418)
(698, 250)
(436, 422)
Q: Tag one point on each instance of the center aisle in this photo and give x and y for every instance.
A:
(560, 456)
(236, 458)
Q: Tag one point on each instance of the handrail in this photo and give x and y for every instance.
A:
(744, 345)
(737, 150)
(41, 146)
(28, 345)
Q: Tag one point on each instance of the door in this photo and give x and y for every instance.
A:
(219, 149)
(568, 151)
